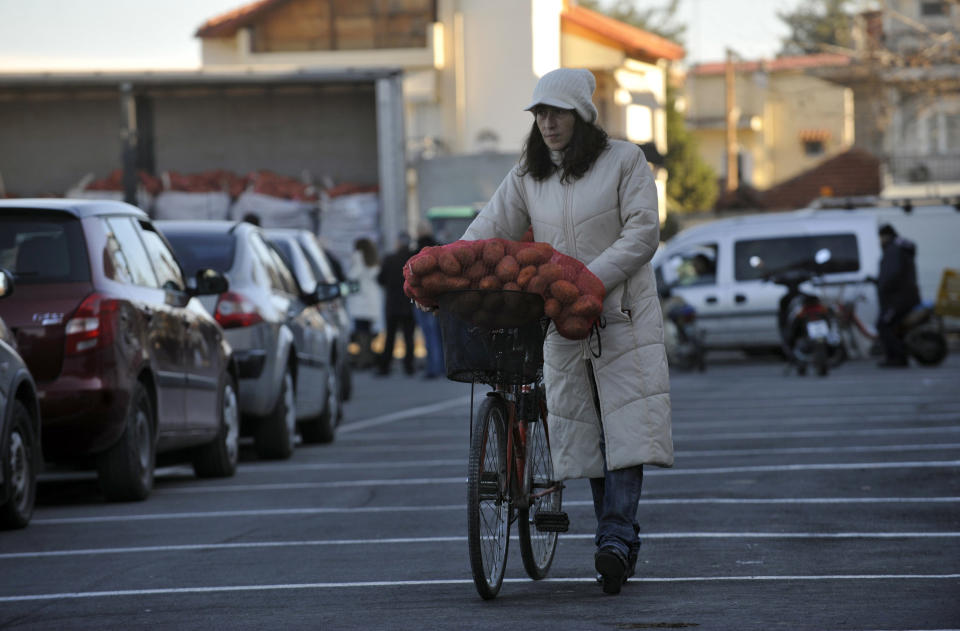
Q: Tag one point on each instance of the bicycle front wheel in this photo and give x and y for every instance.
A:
(488, 502)
(537, 547)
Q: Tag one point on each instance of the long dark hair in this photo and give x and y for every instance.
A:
(586, 144)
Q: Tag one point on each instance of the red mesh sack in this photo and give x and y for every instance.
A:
(573, 295)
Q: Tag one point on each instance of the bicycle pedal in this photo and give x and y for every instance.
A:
(551, 521)
(489, 486)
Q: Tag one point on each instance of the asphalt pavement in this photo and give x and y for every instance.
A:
(800, 503)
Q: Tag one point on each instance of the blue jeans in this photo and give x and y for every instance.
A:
(430, 327)
(615, 500)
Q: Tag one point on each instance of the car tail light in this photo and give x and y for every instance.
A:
(235, 310)
(91, 325)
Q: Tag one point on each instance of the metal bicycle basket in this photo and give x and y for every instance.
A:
(492, 336)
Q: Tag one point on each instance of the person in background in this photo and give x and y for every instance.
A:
(897, 293)
(398, 310)
(427, 321)
(365, 306)
(595, 199)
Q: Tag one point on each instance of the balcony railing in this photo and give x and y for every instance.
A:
(920, 169)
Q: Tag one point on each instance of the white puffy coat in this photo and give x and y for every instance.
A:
(367, 303)
(607, 219)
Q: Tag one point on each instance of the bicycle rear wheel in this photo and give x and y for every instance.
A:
(488, 503)
(537, 547)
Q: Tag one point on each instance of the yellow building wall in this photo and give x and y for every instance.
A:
(776, 111)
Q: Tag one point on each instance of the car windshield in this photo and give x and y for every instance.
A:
(43, 249)
(203, 251)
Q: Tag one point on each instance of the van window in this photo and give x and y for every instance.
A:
(696, 265)
(780, 253)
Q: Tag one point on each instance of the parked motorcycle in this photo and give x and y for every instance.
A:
(808, 327)
(684, 339)
(922, 329)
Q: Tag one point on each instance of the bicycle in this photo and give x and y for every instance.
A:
(510, 472)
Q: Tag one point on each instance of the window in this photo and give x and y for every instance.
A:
(210, 250)
(934, 8)
(696, 265)
(124, 249)
(345, 25)
(164, 262)
(780, 253)
(813, 147)
(265, 257)
(43, 249)
(291, 251)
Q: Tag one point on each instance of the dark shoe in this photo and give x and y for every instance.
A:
(893, 363)
(613, 571)
(382, 372)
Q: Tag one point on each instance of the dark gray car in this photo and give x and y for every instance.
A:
(20, 452)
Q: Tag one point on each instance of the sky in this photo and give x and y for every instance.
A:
(158, 34)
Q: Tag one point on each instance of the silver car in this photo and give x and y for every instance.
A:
(284, 346)
(309, 263)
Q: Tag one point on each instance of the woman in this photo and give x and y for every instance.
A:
(594, 199)
(366, 304)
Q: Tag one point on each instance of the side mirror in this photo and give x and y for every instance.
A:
(349, 287)
(6, 283)
(327, 291)
(210, 282)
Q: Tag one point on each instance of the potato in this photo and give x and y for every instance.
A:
(552, 308)
(422, 264)
(573, 328)
(456, 283)
(525, 274)
(532, 256)
(588, 283)
(507, 269)
(588, 306)
(564, 291)
(550, 272)
(537, 285)
(511, 286)
(449, 264)
(493, 251)
(490, 282)
(464, 253)
(476, 271)
(436, 283)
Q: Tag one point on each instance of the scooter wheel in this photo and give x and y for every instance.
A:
(927, 347)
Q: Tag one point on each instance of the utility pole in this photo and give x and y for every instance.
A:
(732, 116)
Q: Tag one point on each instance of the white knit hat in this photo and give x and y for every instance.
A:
(569, 89)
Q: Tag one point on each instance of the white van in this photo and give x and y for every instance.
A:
(708, 266)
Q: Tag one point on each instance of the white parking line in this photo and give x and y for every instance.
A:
(459, 581)
(460, 538)
(683, 453)
(459, 507)
(405, 414)
(221, 488)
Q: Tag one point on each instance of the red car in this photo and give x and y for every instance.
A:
(129, 366)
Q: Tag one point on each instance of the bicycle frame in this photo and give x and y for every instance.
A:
(518, 491)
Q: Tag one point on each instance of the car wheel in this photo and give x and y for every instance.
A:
(218, 459)
(277, 432)
(320, 429)
(126, 469)
(19, 474)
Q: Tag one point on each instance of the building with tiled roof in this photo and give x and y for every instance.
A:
(787, 121)
(469, 66)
